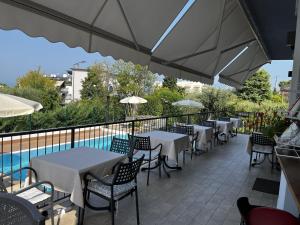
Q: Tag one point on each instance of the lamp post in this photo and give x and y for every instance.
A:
(110, 90)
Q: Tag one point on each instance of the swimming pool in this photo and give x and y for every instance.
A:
(11, 162)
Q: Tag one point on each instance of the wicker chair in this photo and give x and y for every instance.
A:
(121, 146)
(114, 187)
(142, 146)
(261, 145)
(16, 211)
(33, 192)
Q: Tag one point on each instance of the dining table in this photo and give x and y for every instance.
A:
(236, 123)
(205, 136)
(225, 127)
(65, 169)
(172, 145)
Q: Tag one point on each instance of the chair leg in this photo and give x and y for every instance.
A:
(112, 211)
(86, 197)
(148, 175)
(159, 166)
(192, 152)
(250, 164)
(184, 156)
(52, 213)
(137, 207)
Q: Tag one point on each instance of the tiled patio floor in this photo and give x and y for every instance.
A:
(203, 193)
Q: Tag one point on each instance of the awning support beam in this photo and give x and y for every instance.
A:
(219, 27)
(38, 9)
(128, 26)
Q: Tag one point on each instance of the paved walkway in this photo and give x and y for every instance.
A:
(203, 193)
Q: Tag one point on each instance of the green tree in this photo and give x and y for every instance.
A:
(160, 103)
(133, 79)
(171, 83)
(257, 88)
(285, 84)
(97, 82)
(215, 99)
(35, 79)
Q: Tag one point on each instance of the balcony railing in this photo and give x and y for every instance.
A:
(16, 149)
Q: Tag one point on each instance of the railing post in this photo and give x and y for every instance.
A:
(132, 128)
(72, 137)
(167, 121)
(189, 119)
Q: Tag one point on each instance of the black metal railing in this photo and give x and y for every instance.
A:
(16, 149)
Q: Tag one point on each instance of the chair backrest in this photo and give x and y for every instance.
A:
(212, 124)
(126, 172)
(139, 142)
(180, 129)
(190, 130)
(15, 211)
(261, 139)
(227, 119)
(121, 146)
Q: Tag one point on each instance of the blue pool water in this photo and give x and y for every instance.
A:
(11, 162)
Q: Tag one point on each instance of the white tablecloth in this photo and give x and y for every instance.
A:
(225, 126)
(237, 122)
(66, 169)
(172, 143)
(205, 135)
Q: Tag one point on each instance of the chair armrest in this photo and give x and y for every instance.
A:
(35, 185)
(93, 176)
(157, 146)
(20, 169)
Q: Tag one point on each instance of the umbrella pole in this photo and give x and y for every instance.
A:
(30, 122)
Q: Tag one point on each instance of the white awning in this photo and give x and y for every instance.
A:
(208, 37)
(243, 67)
(121, 29)
(205, 40)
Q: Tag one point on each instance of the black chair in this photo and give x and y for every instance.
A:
(16, 211)
(226, 119)
(34, 193)
(189, 130)
(216, 130)
(180, 129)
(261, 145)
(121, 146)
(114, 187)
(193, 143)
(142, 146)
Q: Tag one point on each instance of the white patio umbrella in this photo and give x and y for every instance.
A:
(188, 103)
(11, 106)
(133, 100)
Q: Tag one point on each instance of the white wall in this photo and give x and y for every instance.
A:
(78, 75)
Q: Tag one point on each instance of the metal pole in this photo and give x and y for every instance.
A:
(30, 122)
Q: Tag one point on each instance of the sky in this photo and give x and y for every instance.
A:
(20, 53)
